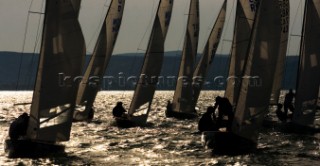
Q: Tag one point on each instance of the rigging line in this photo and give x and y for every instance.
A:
(290, 39)
(233, 33)
(23, 45)
(39, 32)
(135, 56)
(287, 51)
(178, 52)
(55, 115)
(302, 42)
(102, 19)
(295, 17)
(227, 62)
(149, 25)
(33, 12)
(227, 25)
(208, 32)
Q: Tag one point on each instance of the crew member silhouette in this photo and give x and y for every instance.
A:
(208, 121)
(118, 111)
(19, 127)
(280, 114)
(288, 102)
(224, 109)
(169, 112)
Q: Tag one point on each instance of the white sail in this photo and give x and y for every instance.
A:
(259, 70)
(62, 54)
(309, 67)
(151, 68)
(90, 84)
(245, 16)
(280, 65)
(209, 52)
(183, 94)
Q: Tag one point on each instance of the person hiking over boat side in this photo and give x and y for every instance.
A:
(19, 127)
(224, 109)
(208, 121)
(288, 102)
(280, 114)
(118, 111)
(169, 112)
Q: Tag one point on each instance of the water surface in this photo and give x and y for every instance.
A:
(165, 142)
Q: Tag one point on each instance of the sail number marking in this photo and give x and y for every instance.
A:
(284, 10)
(120, 4)
(254, 5)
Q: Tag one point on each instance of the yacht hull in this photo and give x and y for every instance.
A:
(227, 143)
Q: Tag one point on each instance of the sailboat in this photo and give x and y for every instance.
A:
(90, 83)
(280, 66)
(183, 94)
(62, 53)
(245, 15)
(308, 80)
(151, 68)
(256, 86)
(208, 54)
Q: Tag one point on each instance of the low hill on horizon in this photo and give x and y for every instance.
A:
(18, 70)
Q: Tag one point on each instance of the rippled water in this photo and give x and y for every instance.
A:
(165, 142)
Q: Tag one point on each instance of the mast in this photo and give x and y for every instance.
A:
(183, 94)
(62, 54)
(209, 52)
(302, 41)
(153, 58)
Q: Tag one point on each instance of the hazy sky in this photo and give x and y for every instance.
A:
(15, 22)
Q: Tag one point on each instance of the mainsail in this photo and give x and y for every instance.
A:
(151, 68)
(259, 69)
(90, 84)
(209, 52)
(183, 94)
(61, 58)
(309, 67)
(245, 16)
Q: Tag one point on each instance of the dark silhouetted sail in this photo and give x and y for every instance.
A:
(90, 84)
(280, 65)
(61, 58)
(259, 69)
(152, 64)
(208, 54)
(245, 15)
(309, 67)
(183, 94)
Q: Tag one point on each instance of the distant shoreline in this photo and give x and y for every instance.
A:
(18, 70)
